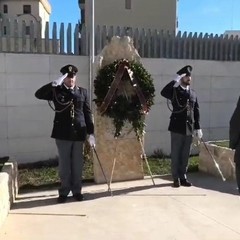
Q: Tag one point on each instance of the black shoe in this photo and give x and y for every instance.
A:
(185, 183)
(176, 183)
(62, 199)
(78, 197)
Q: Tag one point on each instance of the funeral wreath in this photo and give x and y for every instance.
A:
(128, 98)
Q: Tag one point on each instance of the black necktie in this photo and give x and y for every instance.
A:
(71, 90)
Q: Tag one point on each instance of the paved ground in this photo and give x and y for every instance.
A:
(210, 210)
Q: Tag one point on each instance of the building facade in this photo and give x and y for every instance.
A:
(150, 14)
(25, 10)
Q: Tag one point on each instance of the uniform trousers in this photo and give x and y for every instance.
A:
(70, 166)
(180, 150)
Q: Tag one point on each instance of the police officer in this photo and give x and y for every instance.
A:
(234, 140)
(72, 123)
(184, 123)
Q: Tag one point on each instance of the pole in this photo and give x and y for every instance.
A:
(146, 161)
(104, 175)
(91, 51)
(214, 161)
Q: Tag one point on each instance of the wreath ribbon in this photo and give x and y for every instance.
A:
(123, 67)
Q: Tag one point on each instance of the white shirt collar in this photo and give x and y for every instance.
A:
(184, 88)
(68, 87)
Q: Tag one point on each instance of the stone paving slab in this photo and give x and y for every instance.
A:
(210, 210)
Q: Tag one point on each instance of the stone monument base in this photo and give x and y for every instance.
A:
(126, 150)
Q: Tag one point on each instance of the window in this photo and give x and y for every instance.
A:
(26, 9)
(27, 31)
(128, 4)
(5, 8)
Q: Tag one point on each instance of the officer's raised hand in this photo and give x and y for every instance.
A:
(59, 81)
(177, 80)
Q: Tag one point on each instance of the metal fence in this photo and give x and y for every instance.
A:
(150, 43)
(15, 39)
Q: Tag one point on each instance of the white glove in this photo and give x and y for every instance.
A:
(199, 133)
(59, 81)
(177, 80)
(91, 140)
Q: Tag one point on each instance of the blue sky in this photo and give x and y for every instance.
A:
(207, 16)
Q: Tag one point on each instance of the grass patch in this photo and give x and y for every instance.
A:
(162, 166)
(45, 174)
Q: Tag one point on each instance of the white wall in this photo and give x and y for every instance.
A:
(26, 122)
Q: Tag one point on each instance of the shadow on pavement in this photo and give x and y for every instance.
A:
(199, 180)
(46, 200)
(205, 181)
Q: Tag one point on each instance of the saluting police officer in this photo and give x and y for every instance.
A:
(234, 140)
(72, 123)
(184, 123)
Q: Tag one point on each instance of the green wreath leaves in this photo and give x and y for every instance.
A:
(122, 108)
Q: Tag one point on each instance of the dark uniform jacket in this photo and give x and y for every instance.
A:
(185, 115)
(234, 132)
(68, 124)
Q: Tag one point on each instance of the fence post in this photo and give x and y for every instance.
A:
(226, 40)
(32, 38)
(69, 39)
(1, 35)
(46, 50)
(179, 45)
(168, 42)
(110, 33)
(98, 40)
(205, 46)
(39, 37)
(76, 40)
(161, 47)
(103, 37)
(136, 38)
(24, 40)
(61, 38)
(8, 35)
(211, 47)
(184, 39)
(236, 47)
(54, 38)
(16, 38)
(231, 48)
(200, 49)
(142, 43)
(190, 46)
(83, 41)
(155, 42)
(117, 31)
(216, 47)
(195, 46)
(221, 49)
(148, 43)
